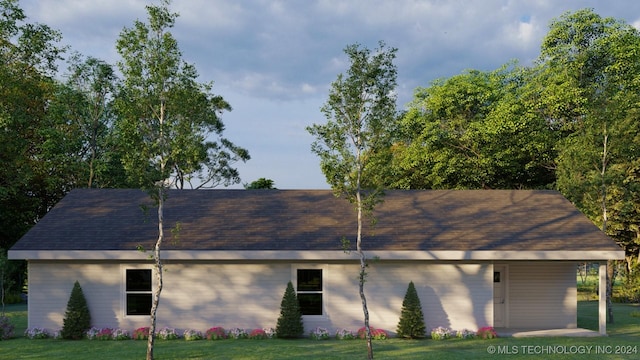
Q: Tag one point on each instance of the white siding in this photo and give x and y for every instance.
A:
(542, 295)
(455, 296)
(50, 284)
(200, 295)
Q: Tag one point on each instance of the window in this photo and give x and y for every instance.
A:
(309, 287)
(138, 292)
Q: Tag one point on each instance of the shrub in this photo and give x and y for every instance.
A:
(12, 298)
(237, 333)
(141, 333)
(319, 334)
(466, 334)
(344, 334)
(77, 319)
(216, 333)
(192, 335)
(168, 334)
(290, 321)
(441, 333)
(376, 334)
(99, 334)
(487, 332)
(258, 334)
(6, 328)
(411, 324)
(36, 333)
(270, 332)
(121, 334)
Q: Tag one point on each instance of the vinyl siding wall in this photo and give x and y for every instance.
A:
(201, 295)
(542, 295)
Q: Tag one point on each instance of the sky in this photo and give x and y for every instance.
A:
(274, 60)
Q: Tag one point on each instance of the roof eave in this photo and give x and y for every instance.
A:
(309, 255)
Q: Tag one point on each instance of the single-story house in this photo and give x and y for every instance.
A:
(502, 258)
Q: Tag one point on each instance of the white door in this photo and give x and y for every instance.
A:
(499, 295)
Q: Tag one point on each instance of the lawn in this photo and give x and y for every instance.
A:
(624, 335)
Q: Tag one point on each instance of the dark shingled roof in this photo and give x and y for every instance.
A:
(115, 219)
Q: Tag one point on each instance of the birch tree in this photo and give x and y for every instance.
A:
(166, 121)
(360, 114)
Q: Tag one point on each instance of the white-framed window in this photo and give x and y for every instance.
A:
(138, 291)
(309, 282)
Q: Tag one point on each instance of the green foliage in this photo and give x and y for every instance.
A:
(32, 179)
(261, 183)
(360, 114)
(289, 324)
(474, 131)
(77, 319)
(411, 324)
(168, 124)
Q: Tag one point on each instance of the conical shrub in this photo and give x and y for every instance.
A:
(289, 324)
(77, 319)
(411, 324)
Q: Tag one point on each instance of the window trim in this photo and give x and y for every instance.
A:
(325, 276)
(124, 291)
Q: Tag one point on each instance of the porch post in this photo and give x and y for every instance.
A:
(602, 298)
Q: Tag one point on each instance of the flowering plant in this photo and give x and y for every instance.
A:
(92, 333)
(376, 334)
(344, 334)
(257, 334)
(99, 334)
(270, 332)
(36, 333)
(237, 333)
(319, 334)
(121, 334)
(141, 333)
(466, 334)
(440, 333)
(191, 335)
(104, 334)
(168, 334)
(487, 332)
(216, 333)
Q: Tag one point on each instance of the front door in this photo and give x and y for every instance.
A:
(499, 295)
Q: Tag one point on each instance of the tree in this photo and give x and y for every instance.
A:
(166, 121)
(598, 59)
(289, 323)
(261, 183)
(87, 101)
(77, 319)
(360, 113)
(31, 182)
(411, 323)
(474, 131)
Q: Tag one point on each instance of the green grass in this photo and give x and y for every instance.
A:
(624, 333)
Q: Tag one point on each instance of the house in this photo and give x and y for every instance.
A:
(501, 258)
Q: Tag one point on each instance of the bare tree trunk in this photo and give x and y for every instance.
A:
(156, 252)
(158, 268)
(363, 276)
(610, 269)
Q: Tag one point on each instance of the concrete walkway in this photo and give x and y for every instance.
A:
(520, 333)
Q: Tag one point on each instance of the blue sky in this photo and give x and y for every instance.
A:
(274, 61)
